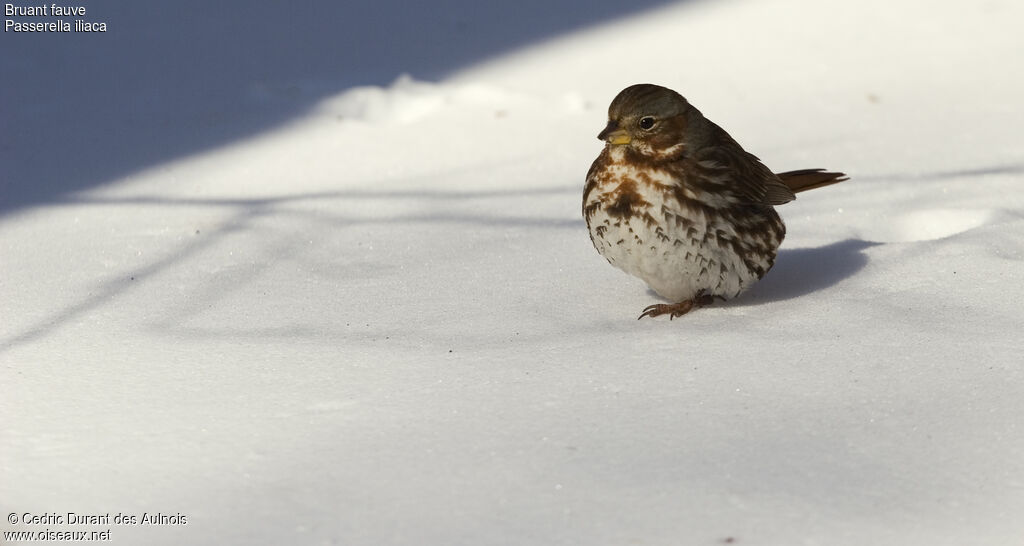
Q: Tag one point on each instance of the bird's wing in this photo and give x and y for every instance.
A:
(598, 164)
(742, 175)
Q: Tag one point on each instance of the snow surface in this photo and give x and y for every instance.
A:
(380, 320)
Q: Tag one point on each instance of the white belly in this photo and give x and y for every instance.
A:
(679, 255)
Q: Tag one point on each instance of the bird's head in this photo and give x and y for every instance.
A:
(655, 121)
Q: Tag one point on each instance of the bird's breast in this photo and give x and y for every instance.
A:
(624, 189)
(651, 224)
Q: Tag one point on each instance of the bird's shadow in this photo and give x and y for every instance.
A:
(801, 271)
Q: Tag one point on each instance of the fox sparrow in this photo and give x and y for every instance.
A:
(675, 201)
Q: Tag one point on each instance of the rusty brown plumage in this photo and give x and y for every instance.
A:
(675, 201)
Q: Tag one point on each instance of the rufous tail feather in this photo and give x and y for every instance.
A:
(809, 179)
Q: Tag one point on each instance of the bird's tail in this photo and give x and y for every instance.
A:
(809, 179)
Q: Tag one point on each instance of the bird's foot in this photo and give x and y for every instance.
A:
(673, 310)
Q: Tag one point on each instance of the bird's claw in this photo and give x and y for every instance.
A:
(673, 310)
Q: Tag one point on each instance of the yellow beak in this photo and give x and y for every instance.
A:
(619, 137)
(614, 135)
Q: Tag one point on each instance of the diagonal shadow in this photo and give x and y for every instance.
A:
(245, 212)
(425, 195)
(118, 284)
(169, 79)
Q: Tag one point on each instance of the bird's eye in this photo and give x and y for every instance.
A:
(646, 122)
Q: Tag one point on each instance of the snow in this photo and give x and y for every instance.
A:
(375, 316)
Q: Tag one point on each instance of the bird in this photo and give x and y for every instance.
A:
(674, 200)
